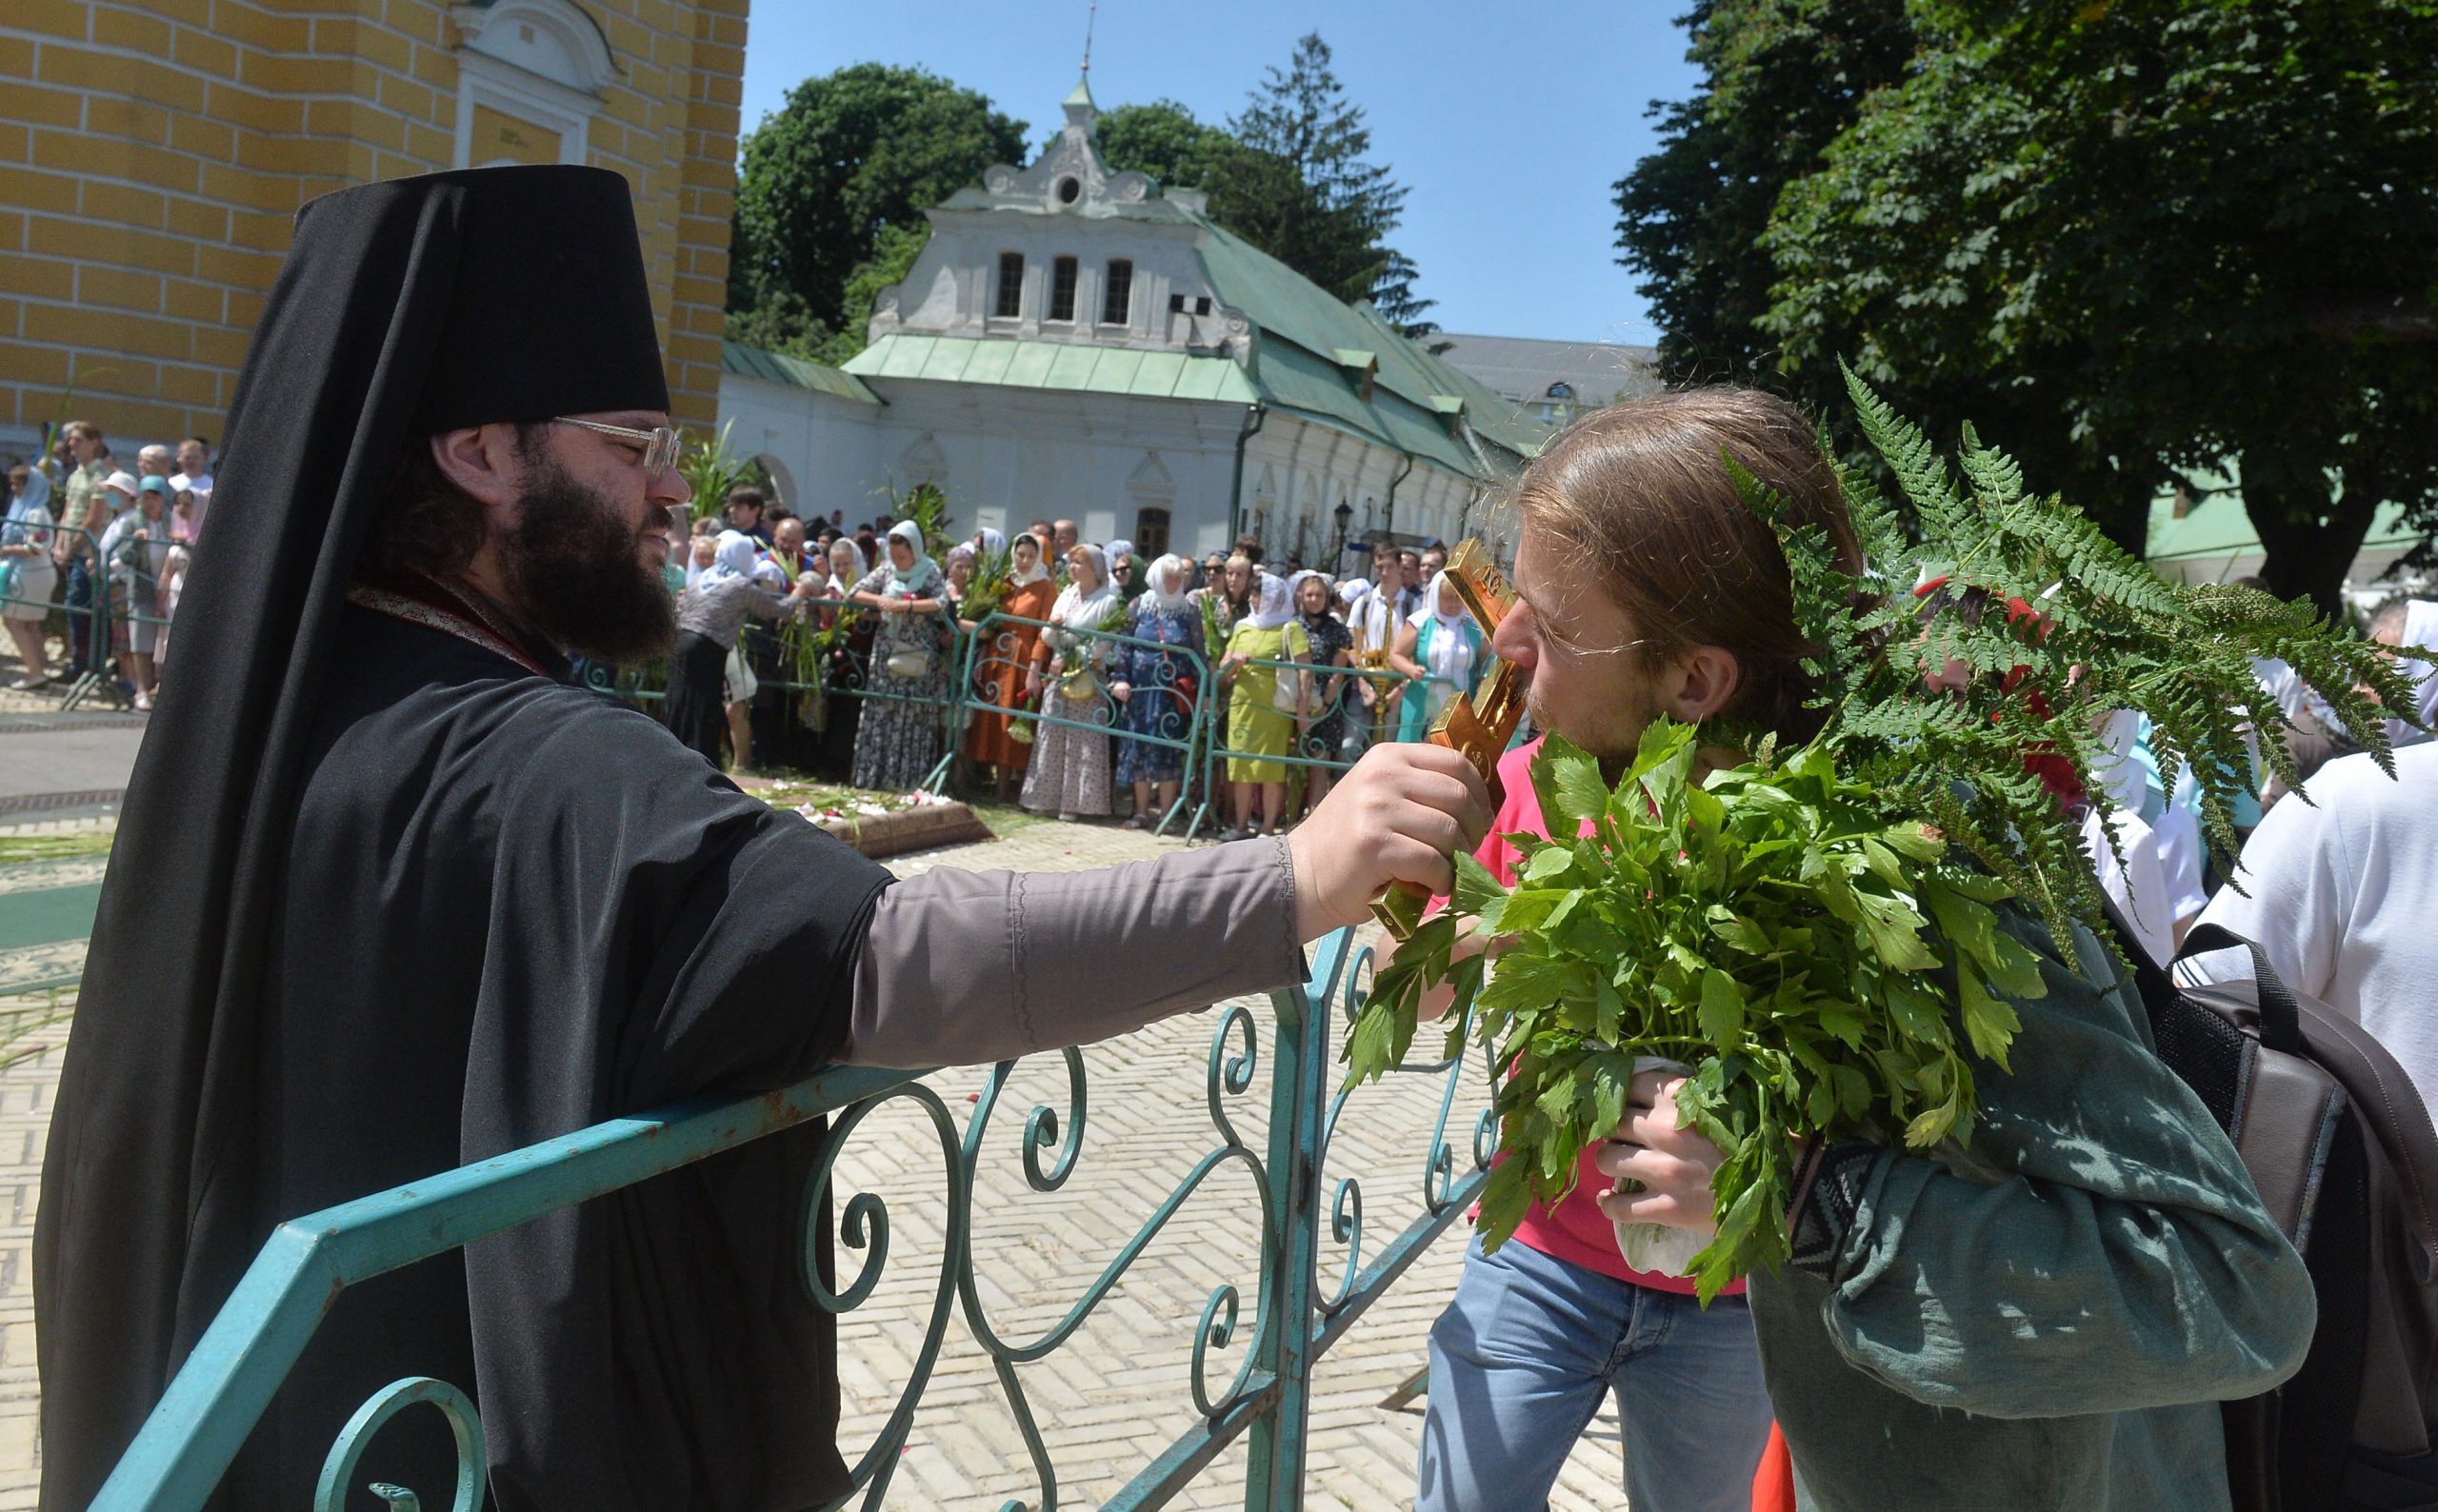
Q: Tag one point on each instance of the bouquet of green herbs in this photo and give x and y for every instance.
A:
(1818, 932)
(995, 578)
(1215, 629)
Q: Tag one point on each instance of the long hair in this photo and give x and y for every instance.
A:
(1642, 490)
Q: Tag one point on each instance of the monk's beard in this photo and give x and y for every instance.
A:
(574, 567)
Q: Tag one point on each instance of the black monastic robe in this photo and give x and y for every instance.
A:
(514, 909)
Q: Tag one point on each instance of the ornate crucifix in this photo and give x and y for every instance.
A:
(1476, 726)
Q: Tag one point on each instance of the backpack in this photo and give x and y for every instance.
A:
(2343, 1153)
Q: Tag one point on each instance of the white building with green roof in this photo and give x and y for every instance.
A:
(1078, 343)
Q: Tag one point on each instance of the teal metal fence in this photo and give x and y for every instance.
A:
(238, 1364)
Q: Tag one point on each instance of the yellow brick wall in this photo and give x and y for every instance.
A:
(153, 154)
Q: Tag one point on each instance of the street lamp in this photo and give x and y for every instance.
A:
(1344, 514)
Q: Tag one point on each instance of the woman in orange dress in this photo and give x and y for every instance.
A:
(999, 668)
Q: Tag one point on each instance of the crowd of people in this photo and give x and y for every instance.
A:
(1089, 674)
(88, 544)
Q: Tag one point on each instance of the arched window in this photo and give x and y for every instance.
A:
(1561, 390)
(1011, 286)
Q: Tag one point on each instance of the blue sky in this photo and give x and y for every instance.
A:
(1507, 124)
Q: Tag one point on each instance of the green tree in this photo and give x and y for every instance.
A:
(852, 158)
(1338, 237)
(1164, 141)
(1783, 79)
(2135, 239)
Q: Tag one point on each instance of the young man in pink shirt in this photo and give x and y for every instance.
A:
(1684, 612)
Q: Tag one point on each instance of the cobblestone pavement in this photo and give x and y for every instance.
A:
(1114, 1396)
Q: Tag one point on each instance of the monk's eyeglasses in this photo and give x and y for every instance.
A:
(660, 444)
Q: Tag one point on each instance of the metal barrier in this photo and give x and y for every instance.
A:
(238, 1364)
(1346, 703)
(999, 644)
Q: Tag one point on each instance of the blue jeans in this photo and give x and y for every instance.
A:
(1521, 1359)
(76, 597)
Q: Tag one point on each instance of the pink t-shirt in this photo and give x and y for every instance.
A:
(1576, 1230)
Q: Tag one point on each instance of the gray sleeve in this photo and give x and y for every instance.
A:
(966, 968)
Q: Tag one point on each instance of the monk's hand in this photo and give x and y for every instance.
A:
(1399, 815)
(1666, 1170)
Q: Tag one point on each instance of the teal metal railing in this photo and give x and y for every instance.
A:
(239, 1363)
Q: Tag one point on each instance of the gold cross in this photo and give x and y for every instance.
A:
(1476, 727)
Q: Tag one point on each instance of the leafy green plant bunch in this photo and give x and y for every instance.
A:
(1829, 935)
(1215, 629)
(995, 578)
(928, 506)
(1772, 926)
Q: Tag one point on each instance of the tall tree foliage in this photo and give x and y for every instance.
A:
(2138, 238)
(1785, 77)
(1291, 174)
(830, 195)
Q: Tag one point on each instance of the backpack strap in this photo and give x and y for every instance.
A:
(2281, 1017)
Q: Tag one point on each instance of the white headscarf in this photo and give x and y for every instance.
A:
(2420, 634)
(910, 581)
(1272, 608)
(1162, 600)
(992, 540)
(732, 558)
(1020, 577)
(1429, 608)
(1451, 662)
(37, 493)
(1295, 591)
(1083, 611)
(840, 587)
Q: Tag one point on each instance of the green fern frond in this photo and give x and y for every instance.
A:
(2104, 632)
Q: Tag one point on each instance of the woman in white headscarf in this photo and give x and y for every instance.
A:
(709, 688)
(1157, 689)
(1264, 706)
(907, 681)
(1004, 661)
(847, 565)
(2415, 638)
(1069, 774)
(1439, 643)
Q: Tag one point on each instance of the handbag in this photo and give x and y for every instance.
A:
(911, 665)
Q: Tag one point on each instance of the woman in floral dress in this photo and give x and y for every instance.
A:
(1322, 733)
(898, 742)
(1071, 770)
(1157, 689)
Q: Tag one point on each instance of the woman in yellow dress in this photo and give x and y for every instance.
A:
(1261, 714)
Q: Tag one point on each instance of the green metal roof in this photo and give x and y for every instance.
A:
(2215, 524)
(1289, 308)
(1054, 365)
(770, 367)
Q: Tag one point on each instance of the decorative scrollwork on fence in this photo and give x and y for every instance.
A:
(864, 1226)
(346, 1451)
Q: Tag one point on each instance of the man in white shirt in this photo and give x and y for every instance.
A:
(1371, 619)
(2345, 901)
